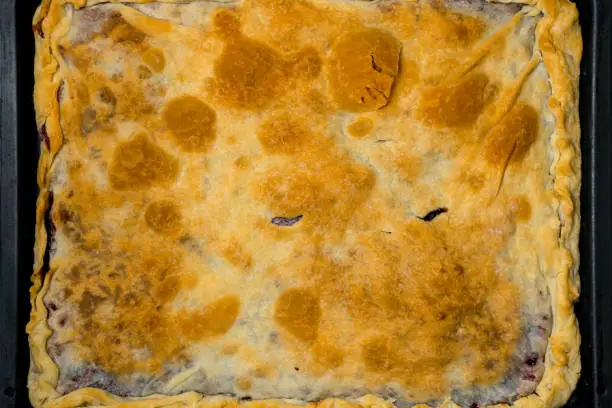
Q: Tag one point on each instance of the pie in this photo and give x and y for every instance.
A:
(271, 203)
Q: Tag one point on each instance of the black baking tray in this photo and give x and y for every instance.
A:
(19, 146)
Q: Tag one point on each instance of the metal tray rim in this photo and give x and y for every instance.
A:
(17, 184)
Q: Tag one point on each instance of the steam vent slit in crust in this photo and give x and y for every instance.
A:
(332, 203)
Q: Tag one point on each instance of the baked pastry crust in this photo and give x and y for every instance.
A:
(558, 45)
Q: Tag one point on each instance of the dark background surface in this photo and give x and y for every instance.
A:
(19, 154)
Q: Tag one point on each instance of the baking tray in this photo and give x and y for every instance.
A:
(19, 146)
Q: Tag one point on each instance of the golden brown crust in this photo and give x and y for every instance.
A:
(559, 42)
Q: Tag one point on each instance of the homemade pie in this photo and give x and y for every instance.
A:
(271, 203)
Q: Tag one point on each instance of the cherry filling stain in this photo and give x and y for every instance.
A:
(433, 214)
(286, 222)
(44, 137)
(50, 227)
(531, 360)
(37, 29)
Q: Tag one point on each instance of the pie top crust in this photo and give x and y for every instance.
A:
(337, 202)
